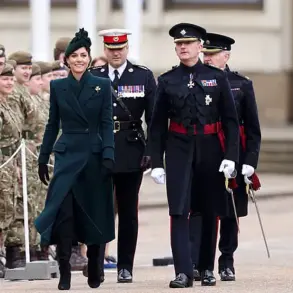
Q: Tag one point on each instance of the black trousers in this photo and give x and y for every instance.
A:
(127, 187)
(180, 243)
(203, 237)
(228, 243)
(195, 224)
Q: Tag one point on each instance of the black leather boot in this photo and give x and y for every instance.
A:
(63, 257)
(94, 272)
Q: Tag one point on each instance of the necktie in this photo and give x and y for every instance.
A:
(116, 78)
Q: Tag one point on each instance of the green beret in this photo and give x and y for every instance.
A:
(36, 69)
(2, 51)
(58, 65)
(45, 67)
(21, 58)
(8, 70)
(62, 43)
(80, 40)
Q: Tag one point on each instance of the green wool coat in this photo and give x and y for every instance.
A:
(84, 111)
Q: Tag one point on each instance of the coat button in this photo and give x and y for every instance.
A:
(114, 104)
(86, 130)
(115, 117)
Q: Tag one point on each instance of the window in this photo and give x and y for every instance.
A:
(118, 4)
(224, 4)
(26, 2)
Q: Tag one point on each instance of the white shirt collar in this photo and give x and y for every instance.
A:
(120, 70)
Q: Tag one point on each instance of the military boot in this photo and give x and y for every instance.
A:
(15, 258)
(77, 261)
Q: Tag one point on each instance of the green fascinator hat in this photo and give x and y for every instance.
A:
(80, 40)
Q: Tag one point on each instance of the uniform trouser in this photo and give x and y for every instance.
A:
(203, 236)
(228, 243)
(127, 187)
(195, 223)
(180, 243)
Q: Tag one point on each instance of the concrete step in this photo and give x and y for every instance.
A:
(276, 154)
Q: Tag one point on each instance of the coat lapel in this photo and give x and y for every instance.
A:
(72, 100)
(89, 89)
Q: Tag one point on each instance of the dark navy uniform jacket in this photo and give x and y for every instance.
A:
(136, 88)
(196, 100)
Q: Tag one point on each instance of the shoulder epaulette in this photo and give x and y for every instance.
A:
(213, 67)
(239, 74)
(94, 67)
(170, 70)
(140, 66)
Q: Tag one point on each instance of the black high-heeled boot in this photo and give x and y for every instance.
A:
(94, 272)
(63, 257)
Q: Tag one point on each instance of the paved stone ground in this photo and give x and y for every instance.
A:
(255, 273)
(273, 185)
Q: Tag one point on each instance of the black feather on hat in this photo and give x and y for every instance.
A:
(80, 40)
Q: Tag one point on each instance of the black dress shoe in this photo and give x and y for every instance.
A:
(208, 278)
(227, 275)
(124, 276)
(181, 281)
(196, 274)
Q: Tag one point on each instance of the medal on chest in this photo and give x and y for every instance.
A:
(208, 100)
(190, 83)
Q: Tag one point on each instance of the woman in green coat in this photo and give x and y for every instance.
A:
(79, 204)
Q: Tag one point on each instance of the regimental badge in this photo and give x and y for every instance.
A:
(97, 89)
(208, 100)
(130, 69)
(183, 32)
(191, 83)
(131, 91)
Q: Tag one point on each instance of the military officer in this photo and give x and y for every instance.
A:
(2, 58)
(133, 95)
(60, 47)
(217, 51)
(195, 97)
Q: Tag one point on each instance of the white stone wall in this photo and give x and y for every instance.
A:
(263, 38)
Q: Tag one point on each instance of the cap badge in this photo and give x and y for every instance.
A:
(103, 69)
(208, 42)
(183, 32)
(116, 39)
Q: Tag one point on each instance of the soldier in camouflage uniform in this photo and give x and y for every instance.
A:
(59, 70)
(22, 103)
(60, 47)
(11, 213)
(2, 58)
(35, 87)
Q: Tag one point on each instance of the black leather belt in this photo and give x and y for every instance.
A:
(10, 149)
(126, 125)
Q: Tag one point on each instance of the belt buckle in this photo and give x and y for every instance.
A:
(116, 126)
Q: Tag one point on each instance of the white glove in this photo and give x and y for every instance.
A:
(158, 174)
(247, 170)
(227, 167)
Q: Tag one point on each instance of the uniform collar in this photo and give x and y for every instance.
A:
(120, 69)
(191, 69)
